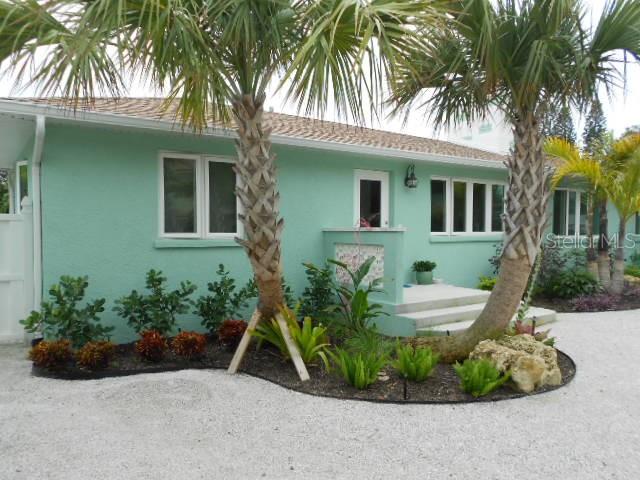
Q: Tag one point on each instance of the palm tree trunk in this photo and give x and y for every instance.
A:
(259, 196)
(617, 279)
(527, 198)
(604, 263)
(592, 256)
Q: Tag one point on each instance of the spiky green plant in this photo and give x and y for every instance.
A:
(479, 377)
(311, 340)
(368, 340)
(415, 364)
(354, 308)
(358, 369)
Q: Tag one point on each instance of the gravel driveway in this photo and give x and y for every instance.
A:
(208, 425)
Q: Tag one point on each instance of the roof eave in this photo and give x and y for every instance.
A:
(112, 119)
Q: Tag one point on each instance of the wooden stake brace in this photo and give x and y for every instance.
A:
(291, 346)
(293, 349)
(244, 343)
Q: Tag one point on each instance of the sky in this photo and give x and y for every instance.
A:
(622, 110)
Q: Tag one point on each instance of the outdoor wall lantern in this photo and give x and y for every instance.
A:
(411, 181)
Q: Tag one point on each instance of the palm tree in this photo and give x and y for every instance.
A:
(520, 57)
(616, 177)
(216, 59)
(594, 159)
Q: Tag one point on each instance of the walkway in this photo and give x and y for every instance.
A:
(206, 425)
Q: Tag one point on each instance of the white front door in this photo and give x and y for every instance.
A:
(371, 199)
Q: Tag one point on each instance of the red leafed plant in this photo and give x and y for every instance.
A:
(51, 355)
(231, 331)
(189, 344)
(95, 355)
(521, 328)
(595, 303)
(151, 346)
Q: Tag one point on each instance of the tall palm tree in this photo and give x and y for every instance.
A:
(594, 159)
(216, 59)
(519, 57)
(615, 177)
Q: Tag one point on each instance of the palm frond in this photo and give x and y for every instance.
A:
(516, 56)
(349, 50)
(573, 163)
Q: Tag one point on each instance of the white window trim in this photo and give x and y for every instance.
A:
(469, 182)
(18, 191)
(578, 207)
(202, 198)
(447, 205)
(207, 204)
(374, 175)
(467, 210)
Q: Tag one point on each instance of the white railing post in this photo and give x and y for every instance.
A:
(28, 256)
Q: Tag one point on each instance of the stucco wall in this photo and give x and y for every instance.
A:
(100, 213)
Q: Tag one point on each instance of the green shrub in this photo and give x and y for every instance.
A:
(633, 270)
(424, 266)
(62, 318)
(479, 377)
(318, 295)
(225, 303)
(354, 308)
(487, 283)
(572, 284)
(157, 310)
(415, 364)
(358, 369)
(494, 261)
(312, 341)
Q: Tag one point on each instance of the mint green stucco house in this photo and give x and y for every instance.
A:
(120, 189)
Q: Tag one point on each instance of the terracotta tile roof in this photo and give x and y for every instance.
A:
(290, 126)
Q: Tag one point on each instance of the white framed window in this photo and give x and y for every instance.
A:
(22, 184)
(371, 199)
(466, 206)
(569, 212)
(197, 197)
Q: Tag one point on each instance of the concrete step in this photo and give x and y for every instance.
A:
(419, 298)
(439, 316)
(542, 316)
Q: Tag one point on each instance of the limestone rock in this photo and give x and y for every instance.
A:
(532, 363)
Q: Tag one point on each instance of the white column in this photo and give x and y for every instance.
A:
(28, 259)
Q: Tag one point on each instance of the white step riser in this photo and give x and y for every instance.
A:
(459, 324)
(432, 318)
(441, 303)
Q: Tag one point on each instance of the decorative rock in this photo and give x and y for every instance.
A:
(532, 363)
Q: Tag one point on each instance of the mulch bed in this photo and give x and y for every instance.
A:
(442, 387)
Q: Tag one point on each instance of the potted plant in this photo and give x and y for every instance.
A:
(424, 271)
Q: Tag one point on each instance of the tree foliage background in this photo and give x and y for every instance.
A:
(559, 123)
(4, 191)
